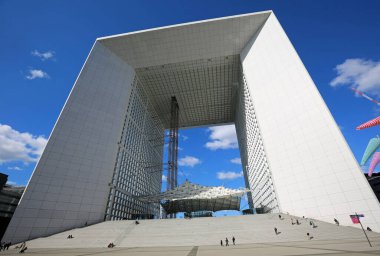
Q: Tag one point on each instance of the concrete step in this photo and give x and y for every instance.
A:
(198, 231)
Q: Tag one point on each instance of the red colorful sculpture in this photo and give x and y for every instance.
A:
(369, 124)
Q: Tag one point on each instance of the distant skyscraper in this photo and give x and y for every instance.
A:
(107, 145)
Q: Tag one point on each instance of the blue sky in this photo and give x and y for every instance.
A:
(44, 45)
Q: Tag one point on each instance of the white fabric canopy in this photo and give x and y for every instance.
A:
(194, 191)
(191, 197)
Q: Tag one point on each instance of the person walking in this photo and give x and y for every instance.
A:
(336, 222)
(233, 240)
(227, 242)
(275, 231)
(23, 248)
(221, 242)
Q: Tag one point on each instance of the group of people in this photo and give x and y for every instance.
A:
(70, 237)
(5, 246)
(312, 224)
(227, 243)
(296, 222)
(111, 245)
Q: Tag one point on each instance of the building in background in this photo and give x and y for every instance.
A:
(3, 180)
(374, 182)
(106, 148)
(9, 198)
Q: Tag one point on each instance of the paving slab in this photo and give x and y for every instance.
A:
(311, 248)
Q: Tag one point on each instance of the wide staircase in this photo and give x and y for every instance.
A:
(199, 231)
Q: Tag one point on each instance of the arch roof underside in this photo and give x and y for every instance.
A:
(198, 63)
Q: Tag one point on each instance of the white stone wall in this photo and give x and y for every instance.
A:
(314, 172)
(70, 184)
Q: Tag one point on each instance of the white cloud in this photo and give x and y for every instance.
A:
(188, 161)
(43, 55)
(236, 160)
(229, 175)
(359, 73)
(36, 73)
(17, 146)
(164, 178)
(15, 184)
(14, 168)
(222, 137)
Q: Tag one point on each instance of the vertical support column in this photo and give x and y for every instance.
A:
(313, 171)
(173, 148)
(75, 156)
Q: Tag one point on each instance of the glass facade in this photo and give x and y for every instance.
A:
(256, 168)
(138, 167)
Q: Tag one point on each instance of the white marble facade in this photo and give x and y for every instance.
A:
(107, 144)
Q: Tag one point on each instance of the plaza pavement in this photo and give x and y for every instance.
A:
(201, 237)
(311, 248)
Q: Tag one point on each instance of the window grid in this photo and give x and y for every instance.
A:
(140, 147)
(204, 89)
(254, 161)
